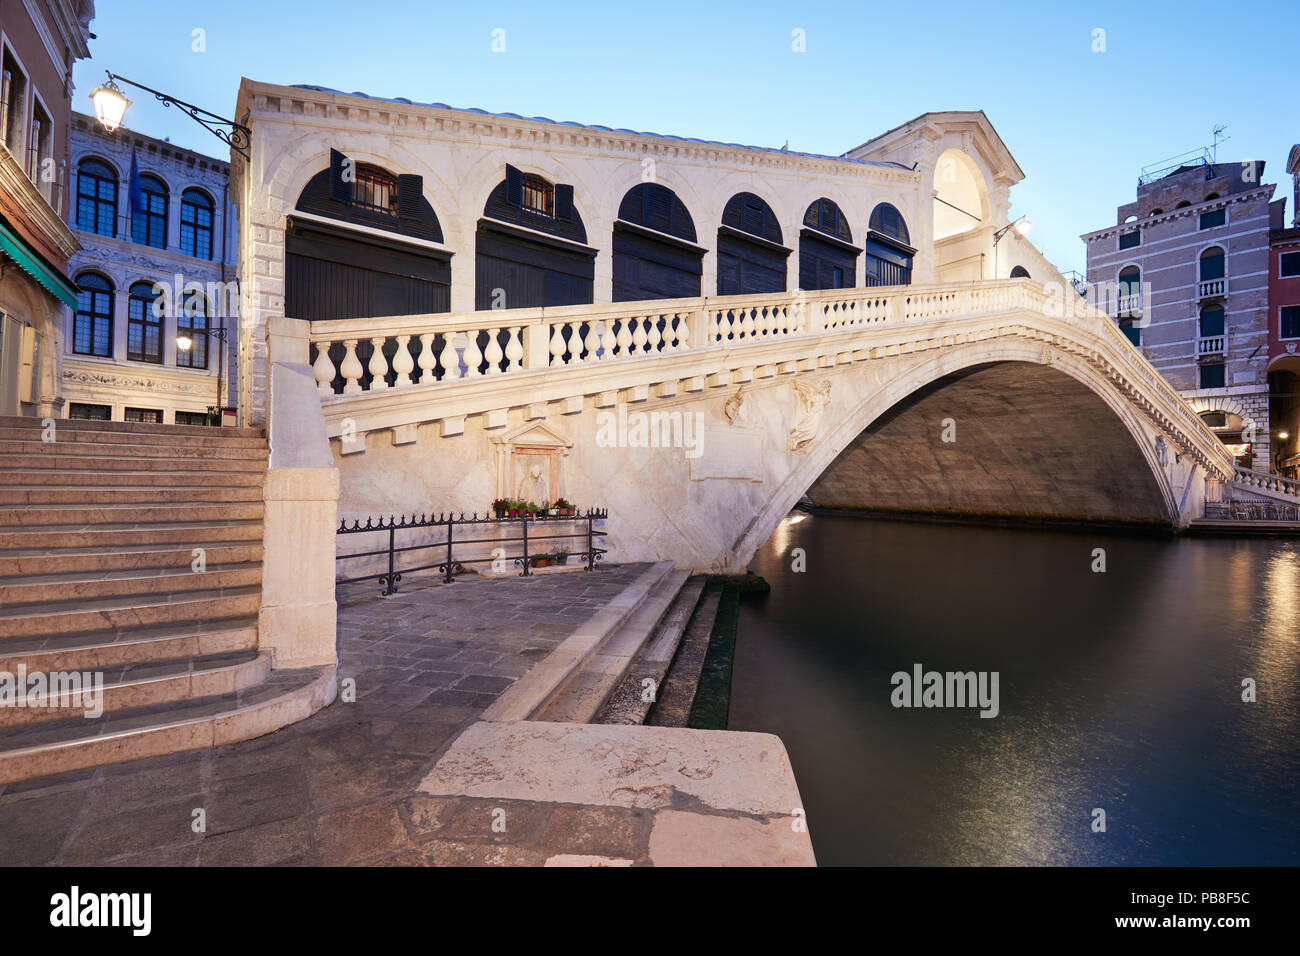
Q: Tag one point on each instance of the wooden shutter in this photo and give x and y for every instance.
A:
(410, 193)
(564, 202)
(514, 186)
(340, 189)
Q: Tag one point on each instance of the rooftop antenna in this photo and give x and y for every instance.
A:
(1218, 137)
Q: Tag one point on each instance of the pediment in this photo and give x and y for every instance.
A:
(535, 434)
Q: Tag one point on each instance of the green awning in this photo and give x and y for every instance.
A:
(56, 284)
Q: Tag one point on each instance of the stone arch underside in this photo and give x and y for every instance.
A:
(1030, 442)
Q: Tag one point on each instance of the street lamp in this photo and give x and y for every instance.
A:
(185, 342)
(997, 237)
(111, 105)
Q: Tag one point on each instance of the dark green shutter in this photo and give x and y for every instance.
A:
(340, 189)
(564, 202)
(410, 193)
(514, 186)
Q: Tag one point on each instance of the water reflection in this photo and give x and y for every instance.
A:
(1119, 691)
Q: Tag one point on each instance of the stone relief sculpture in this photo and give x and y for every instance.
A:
(731, 407)
(814, 398)
(532, 485)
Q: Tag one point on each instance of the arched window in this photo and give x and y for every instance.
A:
(751, 256)
(1213, 264)
(657, 207)
(1211, 196)
(1130, 294)
(1182, 204)
(96, 198)
(149, 213)
(1156, 212)
(192, 326)
(375, 189)
(143, 325)
(888, 259)
(1020, 272)
(888, 221)
(655, 255)
(827, 257)
(196, 224)
(92, 330)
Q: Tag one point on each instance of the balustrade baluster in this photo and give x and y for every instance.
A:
(402, 362)
(670, 332)
(378, 365)
(557, 344)
(427, 361)
(749, 325)
(638, 337)
(654, 337)
(624, 337)
(575, 343)
(514, 349)
(324, 369)
(593, 342)
(351, 368)
(473, 354)
(493, 354)
(448, 358)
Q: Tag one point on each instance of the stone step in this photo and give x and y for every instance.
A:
(46, 539)
(83, 586)
(142, 428)
(121, 614)
(91, 477)
(677, 690)
(74, 430)
(93, 450)
(61, 461)
(102, 649)
(532, 692)
(89, 495)
(630, 702)
(119, 514)
(143, 685)
(285, 697)
(585, 694)
(124, 561)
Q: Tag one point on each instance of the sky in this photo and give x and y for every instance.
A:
(1082, 112)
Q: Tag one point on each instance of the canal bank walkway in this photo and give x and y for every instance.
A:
(405, 773)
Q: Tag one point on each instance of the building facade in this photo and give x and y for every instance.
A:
(356, 206)
(40, 40)
(1284, 327)
(153, 331)
(1188, 263)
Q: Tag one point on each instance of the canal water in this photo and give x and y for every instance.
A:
(1118, 691)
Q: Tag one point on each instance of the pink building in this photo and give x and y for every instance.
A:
(1284, 329)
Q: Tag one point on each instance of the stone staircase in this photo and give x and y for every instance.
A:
(133, 553)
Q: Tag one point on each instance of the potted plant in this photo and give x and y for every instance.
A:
(565, 507)
(552, 509)
(540, 560)
(512, 507)
(500, 506)
(529, 508)
(560, 557)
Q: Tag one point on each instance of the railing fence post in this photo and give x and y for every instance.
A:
(448, 577)
(523, 522)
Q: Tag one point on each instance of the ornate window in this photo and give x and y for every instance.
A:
(96, 198)
(92, 329)
(538, 196)
(196, 224)
(143, 325)
(149, 218)
(192, 323)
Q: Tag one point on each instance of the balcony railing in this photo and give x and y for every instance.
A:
(1212, 345)
(1129, 306)
(1211, 287)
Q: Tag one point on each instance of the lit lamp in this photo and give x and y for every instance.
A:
(184, 342)
(110, 104)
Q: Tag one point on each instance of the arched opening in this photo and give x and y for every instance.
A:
(1213, 264)
(751, 256)
(144, 326)
(1236, 433)
(1020, 272)
(531, 246)
(960, 195)
(197, 223)
(334, 271)
(888, 259)
(192, 331)
(1211, 196)
(1182, 204)
(993, 440)
(827, 257)
(655, 252)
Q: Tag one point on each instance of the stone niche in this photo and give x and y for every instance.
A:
(530, 463)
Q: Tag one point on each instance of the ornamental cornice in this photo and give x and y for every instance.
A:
(1262, 191)
(416, 119)
(104, 379)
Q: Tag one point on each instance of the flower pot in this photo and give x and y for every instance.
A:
(553, 512)
(514, 512)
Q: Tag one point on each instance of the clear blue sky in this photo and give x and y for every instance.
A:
(1080, 123)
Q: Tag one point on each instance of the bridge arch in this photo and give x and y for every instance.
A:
(1149, 478)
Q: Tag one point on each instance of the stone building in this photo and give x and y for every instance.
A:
(358, 206)
(1187, 262)
(1284, 328)
(39, 42)
(156, 281)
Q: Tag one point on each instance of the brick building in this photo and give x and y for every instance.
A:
(1284, 328)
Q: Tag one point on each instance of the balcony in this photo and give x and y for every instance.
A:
(1129, 306)
(1212, 345)
(1211, 287)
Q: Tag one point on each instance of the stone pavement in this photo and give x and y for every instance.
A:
(340, 787)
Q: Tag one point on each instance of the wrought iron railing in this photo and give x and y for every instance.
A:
(533, 530)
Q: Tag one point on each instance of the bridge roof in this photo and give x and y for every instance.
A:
(1000, 157)
(603, 129)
